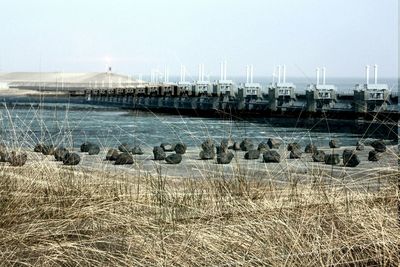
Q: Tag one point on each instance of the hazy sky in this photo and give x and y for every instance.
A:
(78, 35)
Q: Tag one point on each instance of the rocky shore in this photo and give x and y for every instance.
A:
(267, 160)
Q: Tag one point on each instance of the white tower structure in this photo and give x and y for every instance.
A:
(249, 89)
(224, 86)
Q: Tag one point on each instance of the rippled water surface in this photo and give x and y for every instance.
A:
(74, 125)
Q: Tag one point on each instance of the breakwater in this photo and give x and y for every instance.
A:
(79, 107)
(281, 100)
(359, 111)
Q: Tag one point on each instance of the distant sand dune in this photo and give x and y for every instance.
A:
(51, 77)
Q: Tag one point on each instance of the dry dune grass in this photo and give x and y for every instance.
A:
(59, 216)
(53, 215)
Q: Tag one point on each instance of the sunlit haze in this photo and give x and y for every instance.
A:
(137, 36)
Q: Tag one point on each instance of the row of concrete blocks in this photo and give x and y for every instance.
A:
(215, 103)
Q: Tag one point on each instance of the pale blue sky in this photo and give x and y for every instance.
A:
(77, 35)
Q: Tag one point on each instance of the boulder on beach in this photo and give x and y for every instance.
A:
(293, 146)
(374, 155)
(252, 154)
(136, 150)
(359, 146)
(60, 153)
(18, 160)
(334, 143)
(208, 145)
(124, 147)
(225, 145)
(208, 150)
(263, 146)
(225, 157)
(332, 159)
(379, 145)
(180, 148)
(274, 143)
(48, 150)
(4, 155)
(235, 146)
(271, 156)
(71, 159)
(38, 148)
(295, 154)
(207, 154)
(174, 158)
(167, 147)
(350, 159)
(94, 149)
(318, 156)
(310, 148)
(227, 142)
(112, 154)
(85, 147)
(246, 144)
(159, 153)
(124, 159)
(221, 149)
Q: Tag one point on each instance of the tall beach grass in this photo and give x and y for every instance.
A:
(54, 215)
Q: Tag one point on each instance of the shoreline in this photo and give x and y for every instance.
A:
(192, 166)
(374, 129)
(15, 92)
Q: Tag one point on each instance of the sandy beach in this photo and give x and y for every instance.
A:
(15, 92)
(303, 169)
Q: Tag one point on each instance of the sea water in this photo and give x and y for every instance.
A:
(72, 124)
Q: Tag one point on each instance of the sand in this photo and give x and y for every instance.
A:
(15, 92)
(288, 170)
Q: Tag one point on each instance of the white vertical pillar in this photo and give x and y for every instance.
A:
(367, 74)
(62, 80)
(247, 73)
(165, 74)
(199, 72)
(222, 71)
(279, 73)
(284, 73)
(317, 72)
(273, 75)
(376, 74)
(225, 71)
(323, 75)
(251, 74)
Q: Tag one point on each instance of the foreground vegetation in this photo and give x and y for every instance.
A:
(60, 216)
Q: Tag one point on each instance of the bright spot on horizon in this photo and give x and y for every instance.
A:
(107, 59)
